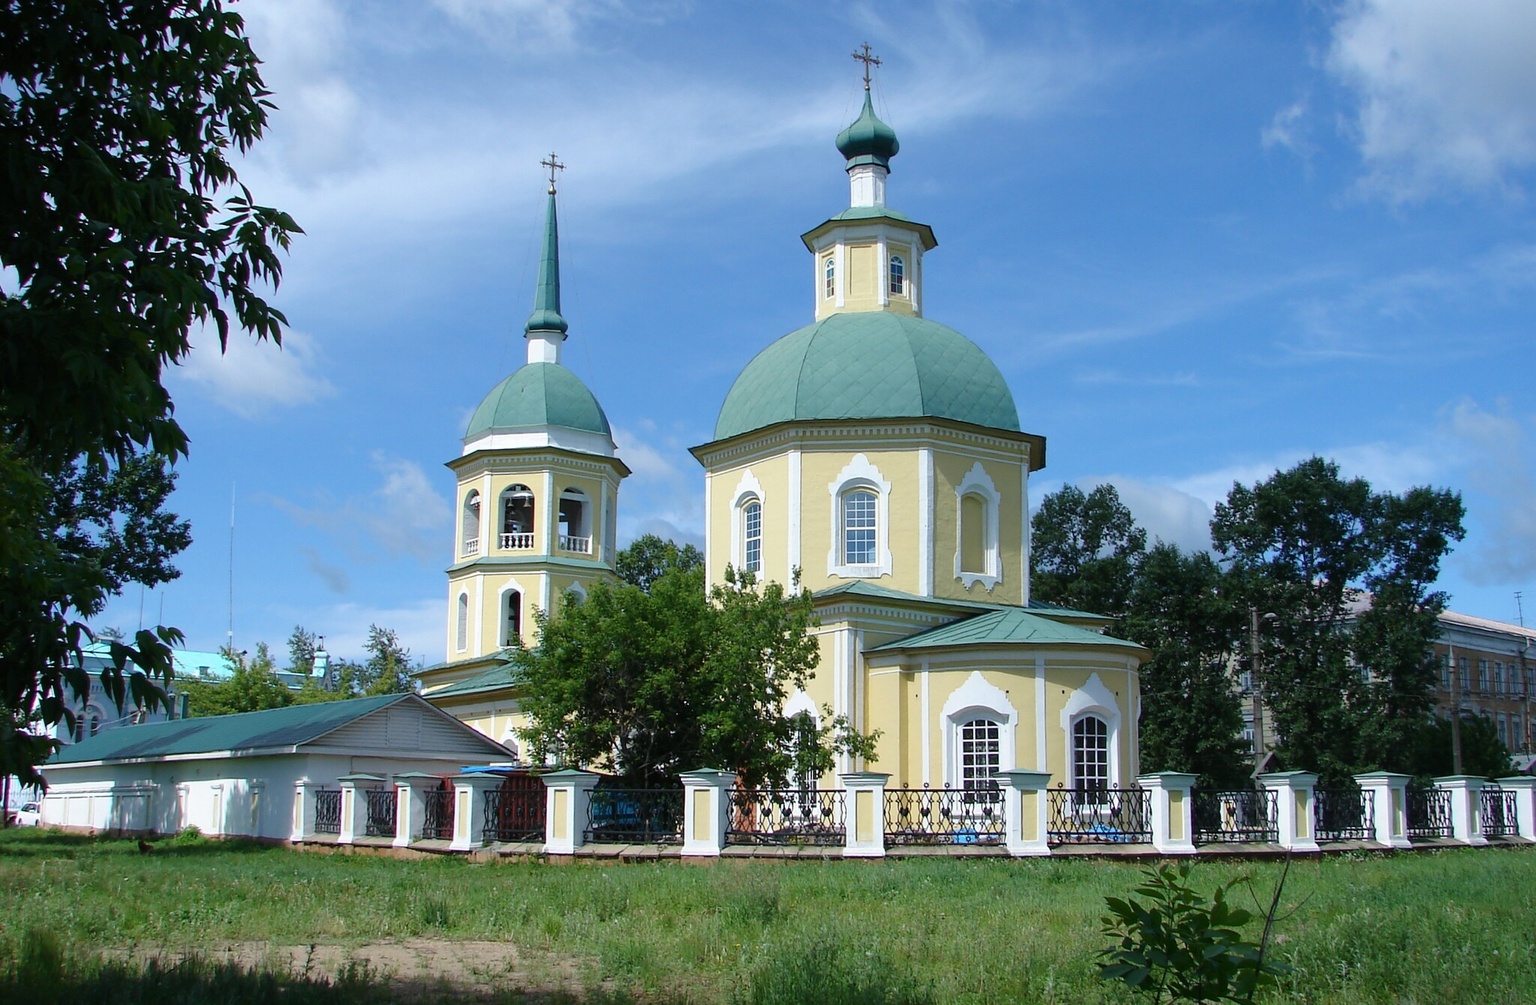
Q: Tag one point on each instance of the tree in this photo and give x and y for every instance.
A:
(387, 670)
(1482, 752)
(648, 557)
(648, 683)
(118, 119)
(1191, 718)
(1084, 549)
(252, 687)
(1348, 573)
(301, 651)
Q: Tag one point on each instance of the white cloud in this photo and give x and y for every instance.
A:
(1496, 450)
(1288, 129)
(419, 624)
(1443, 93)
(251, 377)
(664, 495)
(404, 515)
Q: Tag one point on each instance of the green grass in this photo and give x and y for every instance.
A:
(1446, 927)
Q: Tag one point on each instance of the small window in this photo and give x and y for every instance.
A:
(461, 633)
(980, 754)
(512, 619)
(1482, 676)
(828, 278)
(1090, 753)
(859, 527)
(575, 526)
(470, 525)
(898, 273)
(752, 536)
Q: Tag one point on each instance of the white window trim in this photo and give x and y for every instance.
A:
(977, 698)
(579, 590)
(976, 482)
(860, 474)
(748, 488)
(474, 498)
(501, 608)
(1093, 698)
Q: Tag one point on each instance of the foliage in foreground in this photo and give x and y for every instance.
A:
(1177, 946)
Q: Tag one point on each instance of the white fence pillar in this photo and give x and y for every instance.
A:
(706, 810)
(469, 791)
(354, 811)
(1025, 806)
(1296, 799)
(411, 789)
(1389, 798)
(303, 810)
(1524, 788)
(1173, 822)
(567, 799)
(865, 836)
(1466, 795)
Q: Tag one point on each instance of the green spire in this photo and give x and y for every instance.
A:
(546, 298)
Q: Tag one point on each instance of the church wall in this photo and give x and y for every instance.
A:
(767, 479)
(901, 527)
(953, 469)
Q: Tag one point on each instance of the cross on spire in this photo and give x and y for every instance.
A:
(868, 61)
(554, 165)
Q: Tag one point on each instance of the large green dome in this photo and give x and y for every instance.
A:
(539, 394)
(868, 365)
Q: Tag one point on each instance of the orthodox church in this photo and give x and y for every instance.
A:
(877, 452)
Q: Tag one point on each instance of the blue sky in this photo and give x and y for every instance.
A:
(1201, 240)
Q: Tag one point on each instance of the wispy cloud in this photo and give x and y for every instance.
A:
(403, 515)
(251, 377)
(1442, 94)
(664, 495)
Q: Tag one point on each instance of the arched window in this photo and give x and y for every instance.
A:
(575, 528)
(980, 754)
(1090, 753)
(469, 535)
(973, 534)
(828, 278)
(512, 619)
(517, 517)
(977, 553)
(752, 536)
(860, 527)
(461, 633)
(898, 275)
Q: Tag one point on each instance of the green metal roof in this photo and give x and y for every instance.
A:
(277, 727)
(1009, 626)
(867, 140)
(874, 591)
(546, 296)
(494, 679)
(868, 365)
(536, 395)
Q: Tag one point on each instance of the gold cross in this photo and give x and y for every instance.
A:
(868, 61)
(554, 165)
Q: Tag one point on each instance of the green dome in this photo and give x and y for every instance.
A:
(868, 365)
(868, 140)
(539, 394)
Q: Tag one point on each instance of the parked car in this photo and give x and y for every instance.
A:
(30, 815)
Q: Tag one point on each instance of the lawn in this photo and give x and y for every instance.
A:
(88, 915)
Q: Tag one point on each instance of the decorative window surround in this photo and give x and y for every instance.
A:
(977, 483)
(976, 699)
(748, 490)
(509, 587)
(461, 630)
(1093, 698)
(860, 474)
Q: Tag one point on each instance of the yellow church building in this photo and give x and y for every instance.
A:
(874, 451)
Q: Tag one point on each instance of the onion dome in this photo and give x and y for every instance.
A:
(868, 140)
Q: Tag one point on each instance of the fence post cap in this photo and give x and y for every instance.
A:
(1167, 779)
(570, 776)
(1299, 778)
(1460, 780)
(1516, 782)
(1026, 779)
(412, 775)
(1389, 777)
(355, 778)
(864, 778)
(708, 776)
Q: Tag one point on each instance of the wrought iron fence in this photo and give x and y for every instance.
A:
(382, 804)
(1099, 816)
(1429, 813)
(944, 816)
(1498, 812)
(1344, 814)
(635, 816)
(788, 817)
(437, 819)
(1236, 815)
(515, 814)
(327, 811)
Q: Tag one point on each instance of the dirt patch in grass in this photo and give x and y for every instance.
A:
(411, 965)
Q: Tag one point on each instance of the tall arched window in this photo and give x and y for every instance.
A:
(575, 526)
(1090, 753)
(517, 517)
(973, 534)
(752, 536)
(980, 754)
(828, 278)
(512, 619)
(860, 527)
(469, 533)
(898, 275)
(461, 632)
